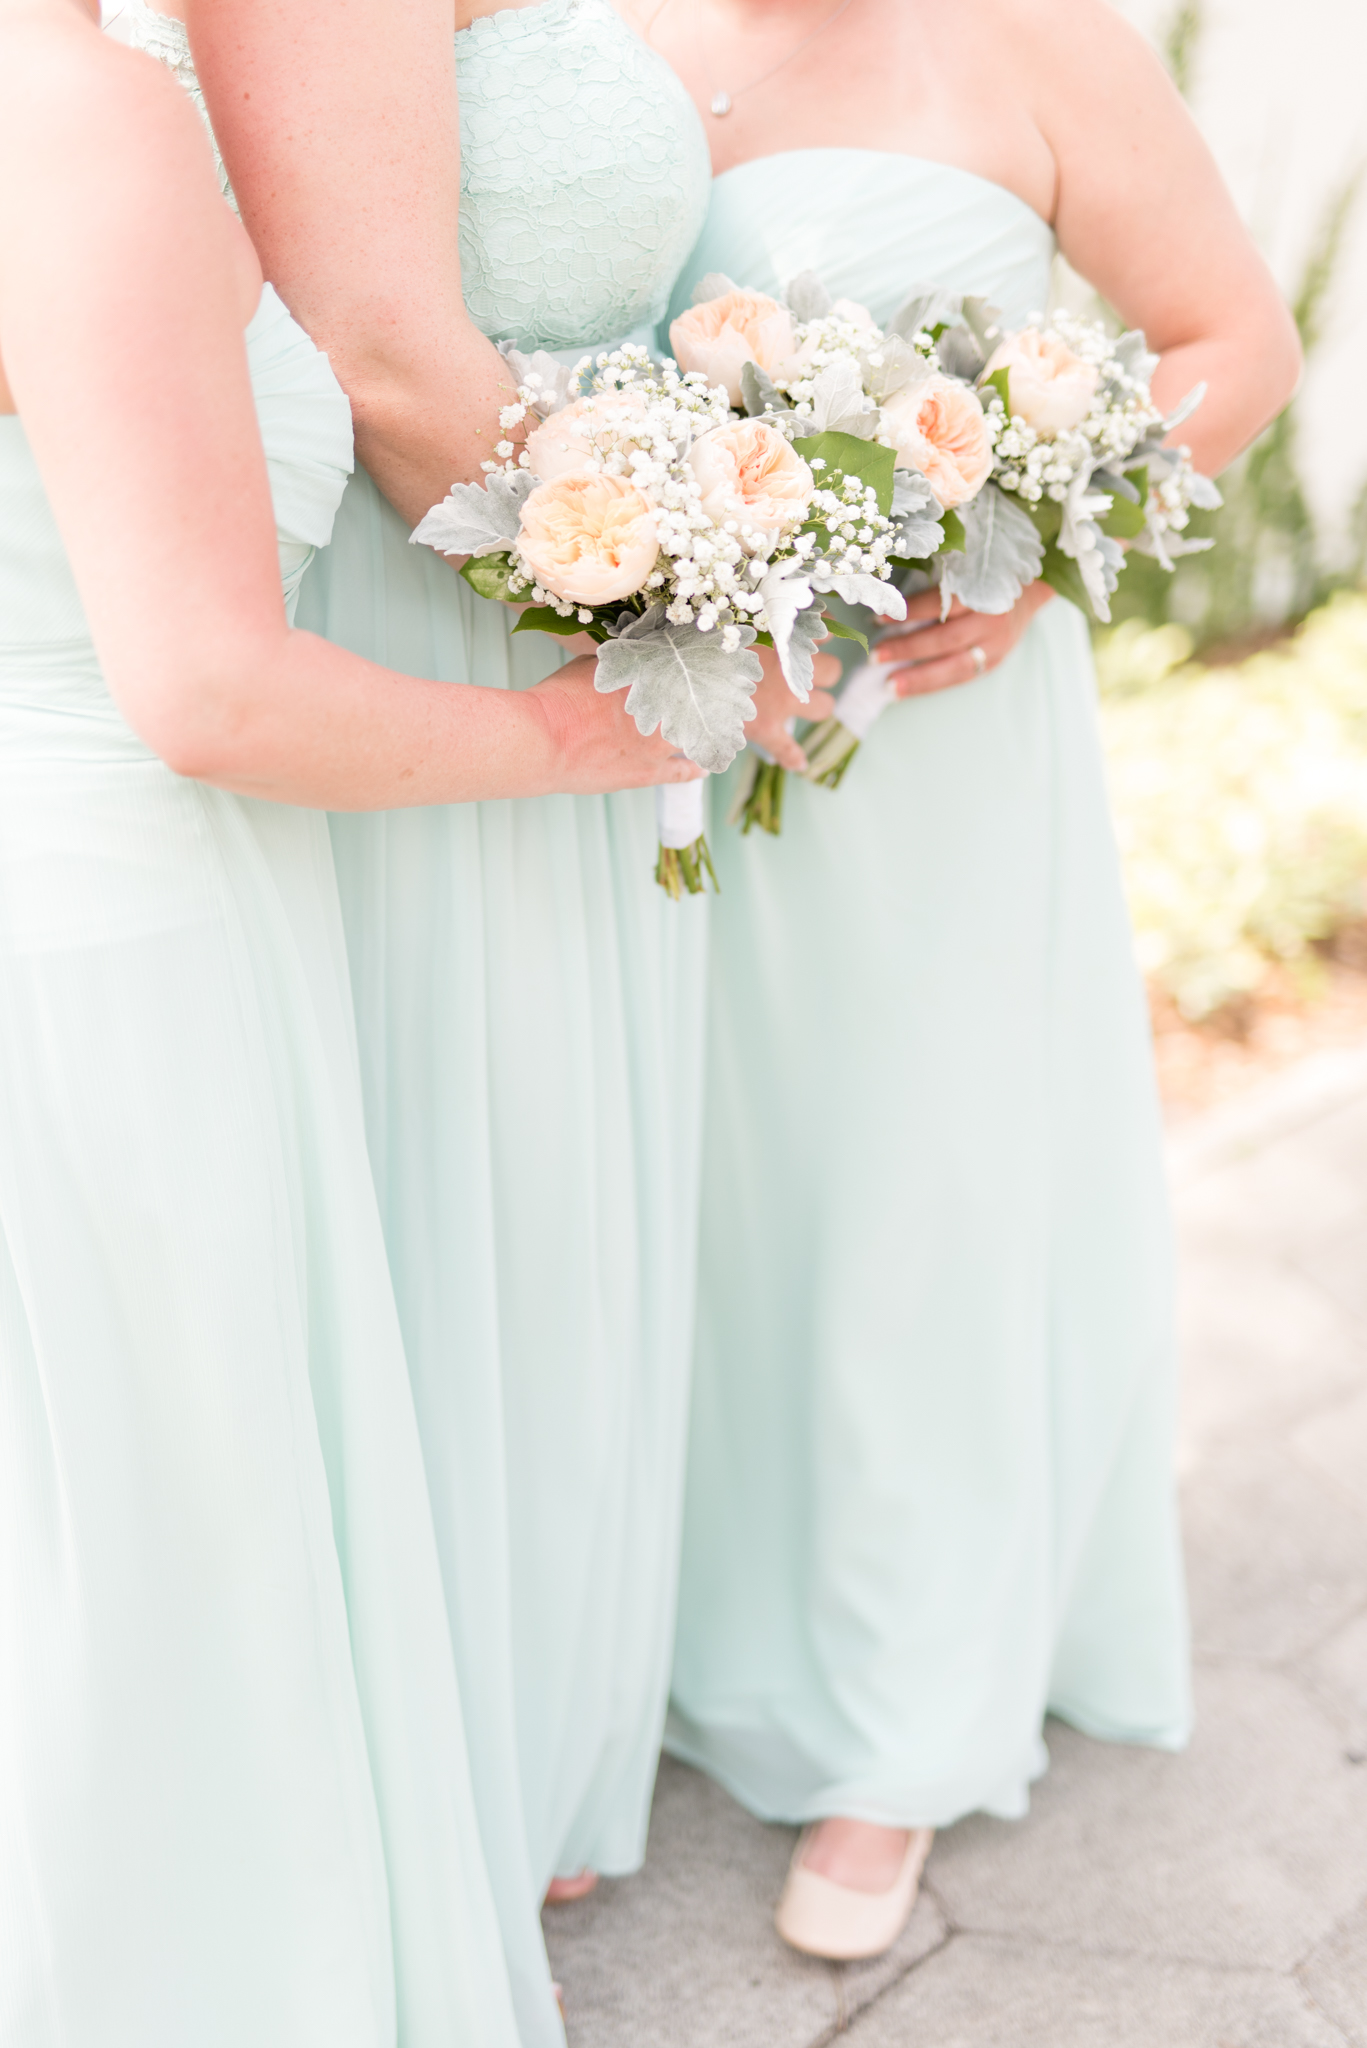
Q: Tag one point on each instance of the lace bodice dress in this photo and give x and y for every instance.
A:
(584, 176)
(529, 1009)
(236, 1799)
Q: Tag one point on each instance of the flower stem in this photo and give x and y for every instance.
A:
(830, 747)
(682, 868)
(763, 805)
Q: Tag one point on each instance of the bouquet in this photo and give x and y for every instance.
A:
(1026, 454)
(644, 513)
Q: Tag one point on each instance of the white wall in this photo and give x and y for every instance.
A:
(1280, 90)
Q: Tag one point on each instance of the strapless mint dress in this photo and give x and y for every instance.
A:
(530, 1008)
(235, 1796)
(930, 1491)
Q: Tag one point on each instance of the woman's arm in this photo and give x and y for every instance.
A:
(339, 128)
(125, 287)
(1144, 215)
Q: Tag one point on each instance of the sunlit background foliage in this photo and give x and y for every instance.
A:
(1237, 735)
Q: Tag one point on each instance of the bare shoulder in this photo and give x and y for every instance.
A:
(72, 97)
(1069, 52)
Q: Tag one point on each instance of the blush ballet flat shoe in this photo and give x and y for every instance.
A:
(830, 1920)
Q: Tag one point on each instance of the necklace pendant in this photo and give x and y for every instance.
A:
(721, 103)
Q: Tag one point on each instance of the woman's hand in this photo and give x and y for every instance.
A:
(598, 747)
(775, 704)
(959, 650)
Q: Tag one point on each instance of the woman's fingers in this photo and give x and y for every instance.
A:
(944, 674)
(926, 605)
(932, 643)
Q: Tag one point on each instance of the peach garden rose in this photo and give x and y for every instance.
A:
(938, 427)
(588, 537)
(570, 437)
(1051, 388)
(722, 335)
(748, 472)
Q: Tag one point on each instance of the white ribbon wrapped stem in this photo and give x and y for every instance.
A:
(866, 696)
(679, 812)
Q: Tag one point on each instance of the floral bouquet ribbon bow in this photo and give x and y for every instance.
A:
(679, 537)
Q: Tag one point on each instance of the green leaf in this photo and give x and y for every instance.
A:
(868, 460)
(954, 533)
(1127, 517)
(1000, 380)
(1062, 574)
(543, 618)
(1125, 521)
(838, 630)
(488, 574)
(1047, 515)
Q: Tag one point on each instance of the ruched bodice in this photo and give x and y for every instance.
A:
(904, 222)
(306, 430)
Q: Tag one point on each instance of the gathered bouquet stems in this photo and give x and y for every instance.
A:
(683, 866)
(680, 870)
(759, 796)
(830, 748)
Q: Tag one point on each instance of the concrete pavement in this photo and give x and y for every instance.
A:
(1212, 1900)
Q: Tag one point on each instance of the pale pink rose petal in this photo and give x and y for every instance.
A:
(589, 537)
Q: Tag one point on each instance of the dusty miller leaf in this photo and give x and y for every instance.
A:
(1001, 554)
(1132, 353)
(1186, 408)
(797, 660)
(759, 393)
(556, 385)
(715, 285)
(983, 321)
(807, 297)
(898, 368)
(1204, 494)
(684, 682)
(787, 593)
(631, 625)
(838, 403)
(883, 598)
(477, 519)
(960, 355)
(926, 306)
(916, 506)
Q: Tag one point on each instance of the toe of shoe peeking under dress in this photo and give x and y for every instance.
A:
(236, 1801)
(930, 1490)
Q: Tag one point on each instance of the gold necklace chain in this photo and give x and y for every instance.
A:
(722, 101)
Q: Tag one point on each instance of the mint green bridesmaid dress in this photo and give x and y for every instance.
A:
(530, 1014)
(930, 1489)
(530, 1008)
(235, 1795)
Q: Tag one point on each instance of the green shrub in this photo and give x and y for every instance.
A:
(1241, 799)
